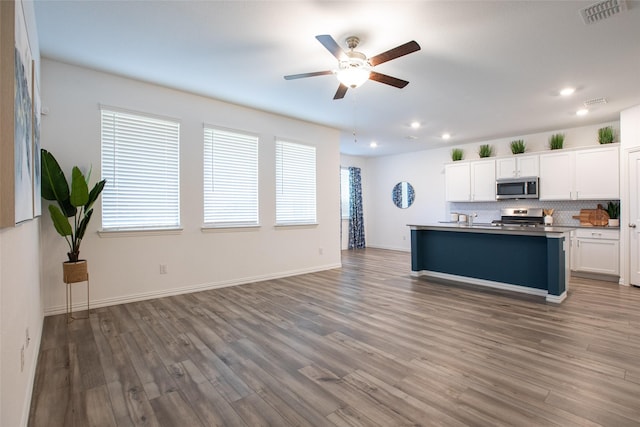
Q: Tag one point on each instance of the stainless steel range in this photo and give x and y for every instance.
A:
(523, 217)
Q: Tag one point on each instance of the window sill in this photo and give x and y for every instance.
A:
(229, 228)
(296, 225)
(140, 232)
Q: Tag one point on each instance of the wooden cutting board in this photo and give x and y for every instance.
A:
(593, 217)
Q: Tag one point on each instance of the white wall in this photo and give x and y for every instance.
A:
(424, 170)
(387, 224)
(20, 297)
(126, 268)
(21, 309)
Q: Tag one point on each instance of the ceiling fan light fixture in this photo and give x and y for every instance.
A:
(352, 75)
(567, 91)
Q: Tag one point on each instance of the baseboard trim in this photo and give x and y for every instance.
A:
(487, 283)
(556, 299)
(596, 276)
(389, 248)
(60, 309)
(35, 354)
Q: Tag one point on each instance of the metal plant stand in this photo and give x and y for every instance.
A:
(75, 272)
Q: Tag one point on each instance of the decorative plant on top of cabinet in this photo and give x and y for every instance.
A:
(518, 146)
(456, 154)
(606, 135)
(556, 141)
(485, 150)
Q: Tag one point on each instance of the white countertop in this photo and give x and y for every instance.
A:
(495, 229)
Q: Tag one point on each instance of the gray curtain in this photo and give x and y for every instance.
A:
(356, 224)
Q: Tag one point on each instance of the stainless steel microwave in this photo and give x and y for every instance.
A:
(517, 188)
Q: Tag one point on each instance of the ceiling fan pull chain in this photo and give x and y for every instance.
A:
(355, 137)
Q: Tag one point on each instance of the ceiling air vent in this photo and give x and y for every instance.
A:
(602, 10)
(595, 101)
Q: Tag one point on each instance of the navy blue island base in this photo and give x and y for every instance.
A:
(529, 260)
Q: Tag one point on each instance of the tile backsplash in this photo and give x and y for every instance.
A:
(562, 215)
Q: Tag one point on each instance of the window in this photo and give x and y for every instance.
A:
(141, 163)
(230, 178)
(295, 183)
(345, 189)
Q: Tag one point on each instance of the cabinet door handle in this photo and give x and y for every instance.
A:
(632, 226)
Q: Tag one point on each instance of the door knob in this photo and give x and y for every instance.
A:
(632, 226)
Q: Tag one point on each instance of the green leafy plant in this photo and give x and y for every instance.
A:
(456, 154)
(556, 141)
(613, 209)
(518, 146)
(74, 206)
(606, 135)
(485, 151)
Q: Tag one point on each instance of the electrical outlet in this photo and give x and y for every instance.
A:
(163, 268)
(320, 251)
(27, 338)
(22, 359)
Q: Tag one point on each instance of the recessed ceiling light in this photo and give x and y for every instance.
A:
(582, 112)
(373, 144)
(567, 91)
(446, 136)
(415, 125)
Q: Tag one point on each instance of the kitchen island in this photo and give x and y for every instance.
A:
(533, 260)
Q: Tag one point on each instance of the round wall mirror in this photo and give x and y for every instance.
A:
(403, 195)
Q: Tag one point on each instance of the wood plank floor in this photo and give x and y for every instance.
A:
(364, 345)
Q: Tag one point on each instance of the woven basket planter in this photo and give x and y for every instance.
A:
(74, 272)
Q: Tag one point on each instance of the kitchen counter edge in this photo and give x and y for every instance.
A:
(492, 229)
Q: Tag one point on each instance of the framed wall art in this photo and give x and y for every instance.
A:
(35, 114)
(19, 123)
(23, 121)
(7, 67)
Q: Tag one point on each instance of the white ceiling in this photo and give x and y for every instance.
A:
(487, 69)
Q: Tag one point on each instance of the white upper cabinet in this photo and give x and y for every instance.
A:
(565, 174)
(517, 166)
(556, 175)
(591, 174)
(470, 181)
(483, 181)
(597, 174)
(457, 182)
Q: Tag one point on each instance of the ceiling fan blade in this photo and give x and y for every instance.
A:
(331, 45)
(388, 80)
(341, 92)
(394, 53)
(303, 75)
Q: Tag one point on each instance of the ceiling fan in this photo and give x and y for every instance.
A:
(354, 68)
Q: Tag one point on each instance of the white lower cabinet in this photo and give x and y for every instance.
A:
(596, 251)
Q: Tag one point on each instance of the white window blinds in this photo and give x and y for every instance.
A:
(141, 163)
(295, 183)
(345, 188)
(230, 178)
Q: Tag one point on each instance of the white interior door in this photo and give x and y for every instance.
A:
(634, 218)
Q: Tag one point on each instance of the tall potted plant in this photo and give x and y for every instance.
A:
(73, 211)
